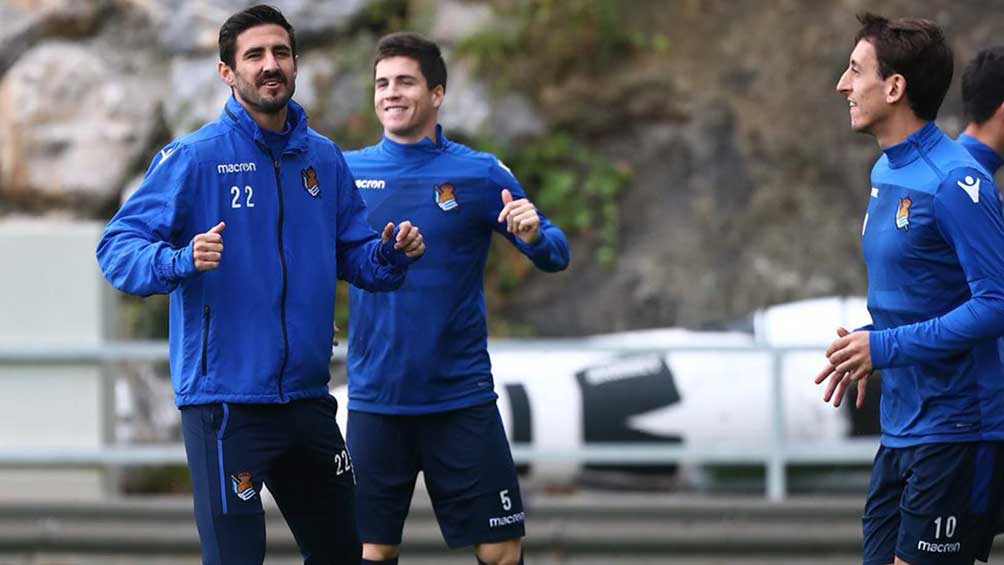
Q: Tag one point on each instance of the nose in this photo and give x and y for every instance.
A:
(844, 84)
(391, 92)
(269, 62)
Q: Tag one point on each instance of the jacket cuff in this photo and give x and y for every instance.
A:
(536, 249)
(183, 263)
(396, 259)
(879, 345)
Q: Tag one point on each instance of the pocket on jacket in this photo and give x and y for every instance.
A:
(206, 315)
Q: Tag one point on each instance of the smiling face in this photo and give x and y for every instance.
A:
(405, 105)
(264, 75)
(868, 94)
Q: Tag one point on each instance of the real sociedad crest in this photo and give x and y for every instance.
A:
(903, 213)
(446, 197)
(243, 487)
(310, 182)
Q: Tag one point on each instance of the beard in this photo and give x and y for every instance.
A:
(251, 95)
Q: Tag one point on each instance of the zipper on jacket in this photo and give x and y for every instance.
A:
(205, 337)
(923, 154)
(282, 296)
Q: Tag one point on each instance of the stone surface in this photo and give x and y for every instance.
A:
(454, 20)
(193, 26)
(26, 22)
(747, 181)
(71, 126)
(471, 108)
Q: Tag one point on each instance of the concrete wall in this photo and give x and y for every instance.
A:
(52, 294)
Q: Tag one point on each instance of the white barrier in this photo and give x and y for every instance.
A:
(776, 452)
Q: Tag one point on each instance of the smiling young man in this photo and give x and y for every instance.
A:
(933, 243)
(421, 396)
(251, 327)
(983, 105)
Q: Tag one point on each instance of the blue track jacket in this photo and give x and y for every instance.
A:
(933, 242)
(423, 348)
(985, 155)
(258, 329)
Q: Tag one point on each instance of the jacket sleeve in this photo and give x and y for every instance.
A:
(363, 260)
(140, 251)
(550, 252)
(971, 222)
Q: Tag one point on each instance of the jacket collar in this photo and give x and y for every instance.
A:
(987, 156)
(916, 144)
(296, 119)
(424, 147)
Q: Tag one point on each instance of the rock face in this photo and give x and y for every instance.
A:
(89, 90)
(193, 26)
(68, 131)
(748, 188)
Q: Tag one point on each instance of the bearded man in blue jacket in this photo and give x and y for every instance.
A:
(421, 395)
(251, 327)
(933, 243)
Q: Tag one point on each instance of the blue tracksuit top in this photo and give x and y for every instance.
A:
(933, 243)
(257, 329)
(985, 155)
(423, 348)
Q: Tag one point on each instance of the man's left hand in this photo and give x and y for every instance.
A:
(851, 354)
(408, 239)
(849, 362)
(520, 217)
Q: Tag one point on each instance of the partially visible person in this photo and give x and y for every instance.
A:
(251, 326)
(983, 104)
(933, 243)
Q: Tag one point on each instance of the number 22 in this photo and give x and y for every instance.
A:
(236, 193)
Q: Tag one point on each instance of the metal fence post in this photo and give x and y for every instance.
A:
(776, 464)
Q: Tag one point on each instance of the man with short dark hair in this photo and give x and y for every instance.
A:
(983, 105)
(933, 242)
(251, 327)
(421, 396)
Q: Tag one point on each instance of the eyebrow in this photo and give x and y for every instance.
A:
(279, 47)
(398, 77)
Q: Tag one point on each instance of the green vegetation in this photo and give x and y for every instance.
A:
(551, 41)
(577, 187)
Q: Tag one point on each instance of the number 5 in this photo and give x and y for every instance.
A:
(506, 501)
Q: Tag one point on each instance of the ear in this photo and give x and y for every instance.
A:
(226, 73)
(895, 88)
(438, 94)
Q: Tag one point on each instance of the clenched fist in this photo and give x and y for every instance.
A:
(207, 248)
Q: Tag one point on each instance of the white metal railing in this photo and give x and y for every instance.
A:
(775, 455)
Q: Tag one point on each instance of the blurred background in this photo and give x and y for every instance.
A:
(658, 394)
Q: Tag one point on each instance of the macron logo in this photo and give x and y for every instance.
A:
(972, 188)
(370, 183)
(165, 154)
(225, 168)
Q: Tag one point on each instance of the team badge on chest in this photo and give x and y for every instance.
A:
(310, 184)
(903, 214)
(446, 197)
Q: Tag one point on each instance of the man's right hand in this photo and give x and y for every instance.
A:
(207, 248)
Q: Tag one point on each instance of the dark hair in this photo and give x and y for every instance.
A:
(414, 46)
(241, 21)
(915, 48)
(983, 84)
